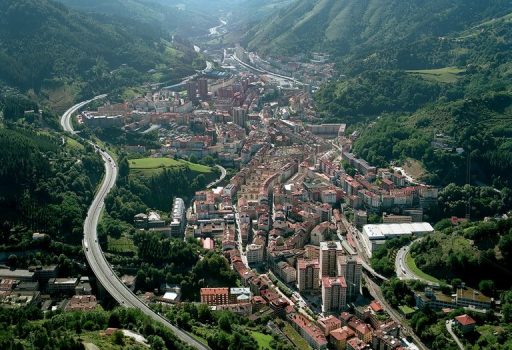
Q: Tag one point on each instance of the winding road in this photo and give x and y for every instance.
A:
(402, 269)
(97, 261)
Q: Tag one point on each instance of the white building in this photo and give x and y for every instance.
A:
(376, 235)
(254, 253)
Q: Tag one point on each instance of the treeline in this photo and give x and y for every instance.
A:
(222, 330)
(476, 127)
(473, 252)
(44, 187)
(96, 54)
(374, 92)
(184, 263)
(27, 328)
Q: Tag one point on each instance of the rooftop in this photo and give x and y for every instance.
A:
(381, 231)
(465, 320)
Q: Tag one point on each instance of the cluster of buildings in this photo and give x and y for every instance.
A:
(41, 286)
(152, 221)
(369, 328)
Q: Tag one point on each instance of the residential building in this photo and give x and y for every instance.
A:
(350, 267)
(192, 90)
(287, 273)
(255, 253)
(309, 331)
(178, 216)
(357, 344)
(81, 303)
(203, 88)
(334, 294)
(338, 338)
(215, 296)
(330, 252)
(62, 285)
(308, 272)
(328, 324)
(383, 341)
(239, 295)
(240, 116)
(362, 330)
(465, 323)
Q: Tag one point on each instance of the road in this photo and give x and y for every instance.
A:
(97, 261)
(449, 328)
(264, 71)
(402, 270)
(376, 292)
(240, 245)
(222, 177)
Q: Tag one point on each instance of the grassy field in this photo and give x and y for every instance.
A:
(262, 339)
(442, 75)
(406, 310)
(74, 144)
(106, 342)
(412, 266)
(150, 166)
(121, 245)
(299, 342)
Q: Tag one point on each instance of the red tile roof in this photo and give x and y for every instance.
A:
(376, 307)
(465, 320)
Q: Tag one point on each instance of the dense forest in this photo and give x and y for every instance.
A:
(85, 54)
(45, 187)
(29, 328)
(350, 26)
(473, 252)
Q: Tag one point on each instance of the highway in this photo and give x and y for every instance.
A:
(95, 257)
(264, 71)
(222, 177)
(401, 268)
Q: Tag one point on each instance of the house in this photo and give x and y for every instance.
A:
(465, 323)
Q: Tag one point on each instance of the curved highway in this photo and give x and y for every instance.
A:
(99, 264)
(402, 269)
(223, 173)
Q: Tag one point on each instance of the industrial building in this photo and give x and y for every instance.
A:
(376, 235)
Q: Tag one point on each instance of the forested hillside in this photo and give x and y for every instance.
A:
(342, 26)
(62, 47)
(164, 15)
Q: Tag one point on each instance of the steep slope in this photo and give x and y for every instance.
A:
(43, 44)
(162, 15)
(344, 25)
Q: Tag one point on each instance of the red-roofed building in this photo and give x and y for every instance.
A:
(465, 323)
(328, 324)
(376, 306)
(334, 294)
(362, 330)
(338, 338)
(309, 331)
(357, 344)
(215, 296)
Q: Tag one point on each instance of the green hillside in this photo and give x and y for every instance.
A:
(62, 47)
(164, 15)
(345, 25)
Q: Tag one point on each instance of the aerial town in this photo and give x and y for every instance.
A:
(291, 220)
